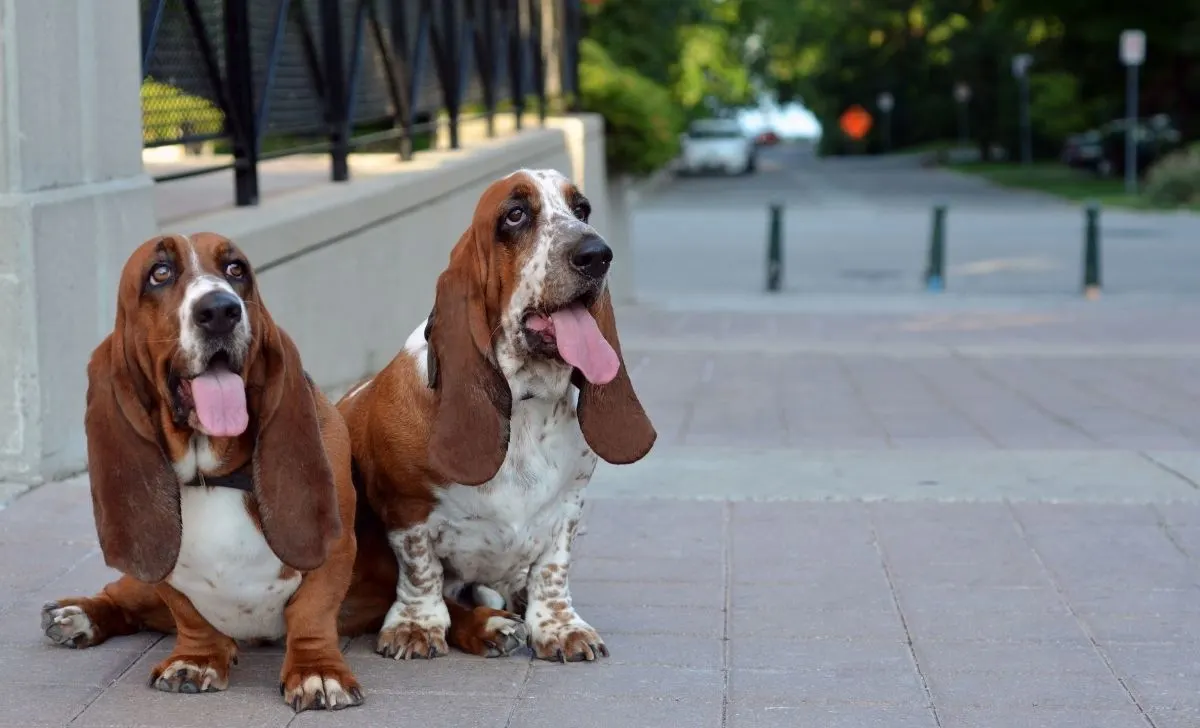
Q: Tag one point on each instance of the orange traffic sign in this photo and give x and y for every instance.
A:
(855, 122)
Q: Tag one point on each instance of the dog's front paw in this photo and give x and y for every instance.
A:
(571, 641)
(412, 640)
(323, 685)
(67, 625)
(192, 674)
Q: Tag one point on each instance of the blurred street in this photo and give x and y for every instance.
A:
(862, 225)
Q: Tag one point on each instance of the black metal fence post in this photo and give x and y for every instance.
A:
(539, 60)
(516, 58)
(336, 98)
(481, 15)
(336, 75)
(239, 74)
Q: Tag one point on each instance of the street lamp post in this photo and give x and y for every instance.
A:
(1133, 54)
(962, 94)
(1020, 69)
(886, 103)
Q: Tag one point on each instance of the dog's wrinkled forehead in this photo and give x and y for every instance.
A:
(556, 198)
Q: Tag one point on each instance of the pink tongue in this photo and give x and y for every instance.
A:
(220, 399)
(581, 345)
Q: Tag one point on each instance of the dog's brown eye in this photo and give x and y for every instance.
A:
(160, 274)
(581, 212)
(515, 216)
(235, 270)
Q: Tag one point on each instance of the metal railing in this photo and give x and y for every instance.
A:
(268, 78)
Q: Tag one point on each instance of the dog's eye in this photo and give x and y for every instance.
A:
(160, 274)
(515, 216)
(235, 270)
(582, 211)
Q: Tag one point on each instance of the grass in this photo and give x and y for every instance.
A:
(939, 145)
(1062, 181)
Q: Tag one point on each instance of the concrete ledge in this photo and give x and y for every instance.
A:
(349, 269)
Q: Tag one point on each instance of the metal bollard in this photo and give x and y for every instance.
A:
(1091, 251)
(775, 248)
(935, 269)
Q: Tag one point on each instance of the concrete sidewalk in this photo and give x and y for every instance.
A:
(895, 513)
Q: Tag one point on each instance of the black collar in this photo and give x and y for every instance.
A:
(238, 480)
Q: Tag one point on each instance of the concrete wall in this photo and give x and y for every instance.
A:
(74, 202)
(349, 269)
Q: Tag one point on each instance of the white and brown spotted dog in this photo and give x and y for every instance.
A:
(474, 445)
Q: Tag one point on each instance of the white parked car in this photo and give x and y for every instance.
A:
(717, 144)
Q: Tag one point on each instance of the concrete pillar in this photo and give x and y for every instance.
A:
(74, 201)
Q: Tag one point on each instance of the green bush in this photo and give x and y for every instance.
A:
(168, 113)
(642, 123)
(1175, 179)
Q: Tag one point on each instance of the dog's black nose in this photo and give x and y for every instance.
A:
(217, 312)
(591, 256)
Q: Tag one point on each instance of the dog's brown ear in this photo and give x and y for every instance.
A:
(470, 428)
(293, 480)
(610, 415)
(135, 491)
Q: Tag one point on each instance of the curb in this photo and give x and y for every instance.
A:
(648, 186)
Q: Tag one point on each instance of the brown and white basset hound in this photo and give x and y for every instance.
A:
(221, 481)
(474, 445)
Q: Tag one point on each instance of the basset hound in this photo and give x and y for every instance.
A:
(220, 479)
(474, 445)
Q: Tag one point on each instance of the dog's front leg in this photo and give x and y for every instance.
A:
(556, 631)
(202, 656)
(315, 674)
(415, 626)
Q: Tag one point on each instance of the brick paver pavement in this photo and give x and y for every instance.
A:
(921, 515)
(879, 510)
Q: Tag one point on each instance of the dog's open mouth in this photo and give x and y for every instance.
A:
(215, 400)
(573, 333)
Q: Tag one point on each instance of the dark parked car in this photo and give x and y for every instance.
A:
(1083, 151)
(1155, 137)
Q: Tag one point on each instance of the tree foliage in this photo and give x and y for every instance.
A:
(835, 54)
(684, 45)
(641, 121)
(832, 54)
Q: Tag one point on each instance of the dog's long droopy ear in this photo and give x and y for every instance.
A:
(470, 429)
(135, 492)
(293, 480)
(610, 415)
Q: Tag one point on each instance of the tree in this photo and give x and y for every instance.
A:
(834, 54)
(680, 44)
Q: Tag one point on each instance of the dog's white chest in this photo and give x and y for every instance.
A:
(226, 568)
(494, 533)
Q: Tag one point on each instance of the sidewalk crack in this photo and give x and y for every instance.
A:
(1167, 469)
(112, 683)
(520, 696)
(908, 640)
(1062, 597)
(976, 366)
(727, 574)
